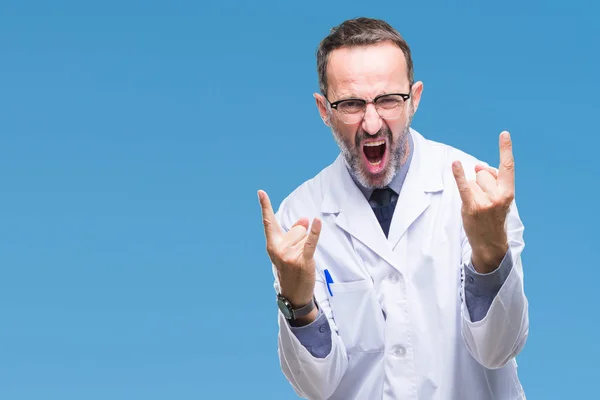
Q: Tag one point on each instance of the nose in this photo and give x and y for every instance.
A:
(372, 121)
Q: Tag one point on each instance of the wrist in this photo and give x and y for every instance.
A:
(298, 297)
(487, 259)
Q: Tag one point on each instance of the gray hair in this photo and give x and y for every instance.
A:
(359, 32)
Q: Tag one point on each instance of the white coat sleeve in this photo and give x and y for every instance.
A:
(311, 377)
(501, 334)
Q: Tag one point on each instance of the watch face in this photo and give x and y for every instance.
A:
(285, 308)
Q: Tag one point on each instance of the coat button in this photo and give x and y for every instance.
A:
(398, 351)
(322, 328)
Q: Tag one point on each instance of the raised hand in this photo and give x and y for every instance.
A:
(292, 253)
(485, 205)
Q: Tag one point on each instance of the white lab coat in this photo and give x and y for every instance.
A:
(400, 327)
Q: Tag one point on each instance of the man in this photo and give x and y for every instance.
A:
(398, 267)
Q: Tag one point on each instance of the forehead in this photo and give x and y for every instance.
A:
(367, 71)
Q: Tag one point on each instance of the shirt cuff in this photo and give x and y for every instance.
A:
(481, 289)
(316, 336)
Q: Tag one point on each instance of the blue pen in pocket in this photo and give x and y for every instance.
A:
(328, 280)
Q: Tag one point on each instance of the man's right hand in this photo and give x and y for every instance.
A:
(292, 253)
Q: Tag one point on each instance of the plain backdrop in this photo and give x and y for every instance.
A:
(134, 136)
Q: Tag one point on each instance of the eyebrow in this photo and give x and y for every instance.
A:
(346, 96)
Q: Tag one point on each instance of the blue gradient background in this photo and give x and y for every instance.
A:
(133, 138)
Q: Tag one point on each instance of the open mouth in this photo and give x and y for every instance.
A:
(375, 154)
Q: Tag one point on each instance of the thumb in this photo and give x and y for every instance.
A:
(311, 241)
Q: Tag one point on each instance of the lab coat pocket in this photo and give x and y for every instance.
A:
(358, 316)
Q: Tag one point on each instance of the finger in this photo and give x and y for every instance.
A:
(313, 238)
(486, 182)
(303, 222)
(491, 170)
(506, 171)
(294, 235)
(479, 196)
(272, 228)
(461, 182)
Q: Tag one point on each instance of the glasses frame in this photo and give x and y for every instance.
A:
(335, 104)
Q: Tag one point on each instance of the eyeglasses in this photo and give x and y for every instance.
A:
(388, 106)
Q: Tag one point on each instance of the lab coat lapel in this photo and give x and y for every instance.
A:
(354, 214)
(412, 202)
(424, 177)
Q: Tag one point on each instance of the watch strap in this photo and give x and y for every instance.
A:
(304, 310)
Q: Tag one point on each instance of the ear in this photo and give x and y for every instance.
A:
(417, 90)
(320, 101)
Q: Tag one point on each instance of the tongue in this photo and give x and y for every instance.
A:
(374, 153)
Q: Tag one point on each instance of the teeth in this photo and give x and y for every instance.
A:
(375, 163)
(378, 143)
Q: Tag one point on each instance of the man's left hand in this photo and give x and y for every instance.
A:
(485, 205)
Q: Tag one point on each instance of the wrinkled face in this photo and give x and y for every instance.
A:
(374, 147)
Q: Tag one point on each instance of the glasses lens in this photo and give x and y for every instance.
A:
(351, 118)
(351, 111)
(390, 107)
(351, 106)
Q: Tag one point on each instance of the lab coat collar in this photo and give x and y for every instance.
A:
(354, 214)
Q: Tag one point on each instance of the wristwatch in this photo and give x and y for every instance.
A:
(289, 312)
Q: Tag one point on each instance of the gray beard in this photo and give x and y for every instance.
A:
(353, 155)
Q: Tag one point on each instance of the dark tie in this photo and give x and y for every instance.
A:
(383, 207)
